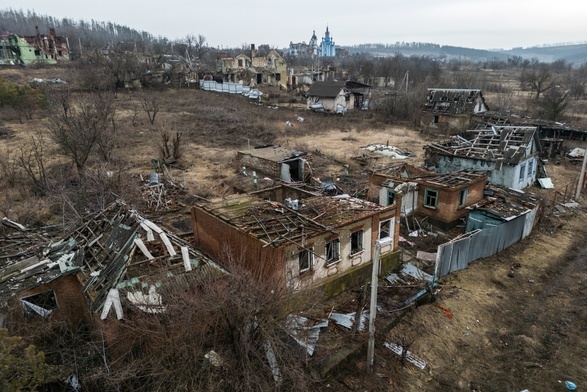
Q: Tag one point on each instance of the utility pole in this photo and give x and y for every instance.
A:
(373, 307)
(581, 176)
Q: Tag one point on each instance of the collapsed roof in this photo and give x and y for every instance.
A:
(455, 101)
(277, 224)
(506, 143)
(115, 248)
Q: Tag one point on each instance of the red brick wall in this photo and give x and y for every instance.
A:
(71, 302)
(447, 208)
(222, 241)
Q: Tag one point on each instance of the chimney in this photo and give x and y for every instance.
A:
(252, 51)
(52, 32)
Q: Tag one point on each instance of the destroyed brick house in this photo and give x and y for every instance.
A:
(508, 154)
(330, 96)
(304, 243)
(451, 109)
(277, 162)
(116, 259)
(444, 199)
(36, 49)
(270, 69)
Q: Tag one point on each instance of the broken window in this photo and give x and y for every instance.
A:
(332, 251)
(436, 118)
(385, 230)
(463, 197)
(430, 198)
(390, 197)
(522, 172)
(240, 62)
(39, 305)
(356, 241)
(277, 77)
(530, 168)
(305, 258)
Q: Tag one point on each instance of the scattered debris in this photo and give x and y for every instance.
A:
(304, 332)
(388, 151)
(47, 81)
(272, 359)
(348, 319)
(546, 183)
(577, 153)
(445, 310)
(214, 358)
(396, 348)
(426, 256)
(571, 386)
(409, 270)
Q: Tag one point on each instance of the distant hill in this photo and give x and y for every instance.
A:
(575, 53)
(572, 53)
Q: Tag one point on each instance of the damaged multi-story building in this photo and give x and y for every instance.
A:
(270, 69)
(35, 49)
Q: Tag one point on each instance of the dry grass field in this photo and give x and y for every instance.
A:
(506, 334)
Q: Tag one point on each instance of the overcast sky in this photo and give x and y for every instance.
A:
(230, 23)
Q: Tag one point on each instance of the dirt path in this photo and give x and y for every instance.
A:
(507, 333)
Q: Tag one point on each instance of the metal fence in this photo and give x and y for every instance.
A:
(466, 248)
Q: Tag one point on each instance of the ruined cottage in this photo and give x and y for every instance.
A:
(451, 109)
(317, 241)
(507, 154)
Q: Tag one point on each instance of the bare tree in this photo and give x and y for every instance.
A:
(215, 337)
(554, 104)
(151, 107)
(200, 46)
(84, 127)
(169, 145)
(32, 160)
(538, 79)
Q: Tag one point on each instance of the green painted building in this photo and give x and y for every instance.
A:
(37, 49)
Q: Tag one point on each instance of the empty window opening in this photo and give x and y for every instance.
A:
(385, 229)
(332, 251)
(522, 172)
(305, 258)
(430, 198)
(463, 197)
(356, 241)
(39, 305)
